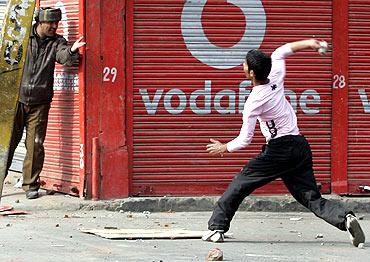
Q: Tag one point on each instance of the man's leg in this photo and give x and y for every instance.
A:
(259, 171)
(242, 185)
(36, 124)
(303, 188)
(16, 133)
(302, 185)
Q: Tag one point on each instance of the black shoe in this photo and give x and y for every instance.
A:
(32, 194)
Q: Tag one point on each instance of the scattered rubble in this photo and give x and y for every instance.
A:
(215, 254)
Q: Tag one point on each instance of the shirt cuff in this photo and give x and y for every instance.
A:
(71, 52)
(229, 147)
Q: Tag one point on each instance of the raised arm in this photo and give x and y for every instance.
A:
(305, 44)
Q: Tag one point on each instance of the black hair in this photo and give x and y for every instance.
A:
(260, 63)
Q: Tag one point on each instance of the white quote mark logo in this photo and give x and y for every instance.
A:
(218, 57)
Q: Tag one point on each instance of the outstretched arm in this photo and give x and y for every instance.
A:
(67, 54)
(305, 44)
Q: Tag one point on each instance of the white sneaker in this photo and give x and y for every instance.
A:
(356, 234)
(214, 236)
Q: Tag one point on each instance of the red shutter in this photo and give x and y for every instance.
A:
(62, 147)
(179, 101)
(359, 97)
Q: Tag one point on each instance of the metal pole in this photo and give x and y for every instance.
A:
(95, 174)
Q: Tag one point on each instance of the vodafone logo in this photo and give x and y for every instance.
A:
(212, 42)
(218, 57)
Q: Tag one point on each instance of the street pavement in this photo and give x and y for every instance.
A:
(50, 232)
(257, 236)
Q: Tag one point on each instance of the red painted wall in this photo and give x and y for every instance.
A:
(141, 77)
(61, 171)
(105, 95)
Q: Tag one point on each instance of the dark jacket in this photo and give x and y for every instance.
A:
(38, 74)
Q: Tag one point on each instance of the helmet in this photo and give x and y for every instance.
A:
(48, 14)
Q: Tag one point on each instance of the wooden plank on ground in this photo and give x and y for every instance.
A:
(145, 233)
(13, 213)
(5, 208)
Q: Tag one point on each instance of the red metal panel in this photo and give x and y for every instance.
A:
(94, 71)
(130, 87)
(340, 97)
(82, 86)
(359, 97)
(182, 95)
(112, 118)
(62, 144)
(105, 92)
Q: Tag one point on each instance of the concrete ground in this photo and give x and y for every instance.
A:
(257, 236)
(50, 232)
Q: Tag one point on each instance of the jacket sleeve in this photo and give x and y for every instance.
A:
(64, 54)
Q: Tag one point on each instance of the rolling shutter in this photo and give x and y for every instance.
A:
(3, 4)
(62, 158)
(188, 86)
(359, 97)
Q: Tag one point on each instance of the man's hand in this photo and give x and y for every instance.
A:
(305, 44)
(315, 44)
(76, 45)
(216, 148)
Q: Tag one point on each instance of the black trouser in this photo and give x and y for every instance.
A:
(290, 159)
(35, 119)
